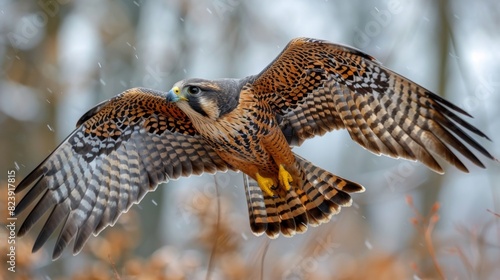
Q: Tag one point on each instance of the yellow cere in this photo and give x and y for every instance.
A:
(176, 90)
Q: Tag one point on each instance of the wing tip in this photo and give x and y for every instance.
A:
(31, 178)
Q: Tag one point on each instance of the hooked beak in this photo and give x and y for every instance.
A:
(175, 95)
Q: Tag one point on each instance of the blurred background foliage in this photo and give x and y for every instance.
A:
(59, 58)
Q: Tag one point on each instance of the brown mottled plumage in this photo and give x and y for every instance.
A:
(124, 147)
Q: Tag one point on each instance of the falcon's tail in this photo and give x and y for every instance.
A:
(321, 196)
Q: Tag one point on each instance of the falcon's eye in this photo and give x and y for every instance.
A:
(193, 89)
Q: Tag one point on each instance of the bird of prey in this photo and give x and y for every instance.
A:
(124, 147)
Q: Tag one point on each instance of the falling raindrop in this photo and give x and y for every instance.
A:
(50, 128)
(368, 245)
(154, 202)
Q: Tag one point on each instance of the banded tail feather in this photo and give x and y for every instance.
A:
(315, 202)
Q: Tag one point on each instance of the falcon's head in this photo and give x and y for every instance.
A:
(211, 99)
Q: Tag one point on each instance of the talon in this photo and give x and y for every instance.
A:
(265, 184)
(285, 177)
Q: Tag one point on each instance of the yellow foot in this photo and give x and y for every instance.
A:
(285, 177)
(265, 184)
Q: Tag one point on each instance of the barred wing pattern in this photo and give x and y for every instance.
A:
(120, 151)
(316, 86)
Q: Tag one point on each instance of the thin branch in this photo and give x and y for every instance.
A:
(494, 213)
(211, 260)
(430, 247)
(264, 252)
(115, 272)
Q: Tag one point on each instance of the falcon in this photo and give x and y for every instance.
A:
(124, 147)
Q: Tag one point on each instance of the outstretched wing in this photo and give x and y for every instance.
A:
(120, 150)
(316, 86)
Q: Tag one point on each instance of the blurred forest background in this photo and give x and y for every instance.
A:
(59, 58)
